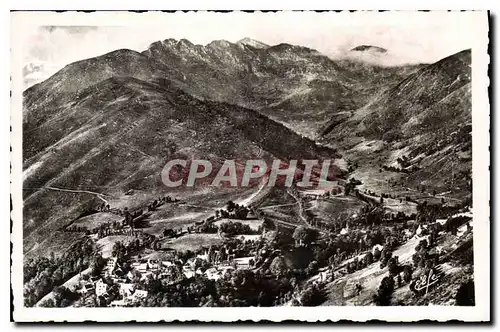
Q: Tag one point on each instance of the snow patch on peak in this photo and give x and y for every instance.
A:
(252, 42)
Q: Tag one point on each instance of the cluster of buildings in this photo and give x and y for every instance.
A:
(141, 271)
(162, 269)
(98, 287)
(217, 272)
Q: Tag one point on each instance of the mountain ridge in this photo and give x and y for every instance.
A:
(138, 127)
(112, 121)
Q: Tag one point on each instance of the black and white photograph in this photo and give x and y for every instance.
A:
(267, 165)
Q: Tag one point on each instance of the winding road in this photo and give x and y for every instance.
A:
(98, 195)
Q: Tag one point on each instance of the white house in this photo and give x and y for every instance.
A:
(119, 280)
(100, 288)
(111, 265)
(126, 290)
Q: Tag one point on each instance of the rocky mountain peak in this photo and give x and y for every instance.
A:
(219, 44)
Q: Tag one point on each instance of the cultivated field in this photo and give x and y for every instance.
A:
(192, 242)
(106, 244)
(330, 208)
(97, 219)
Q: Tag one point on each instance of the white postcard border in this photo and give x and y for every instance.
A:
(481, 195)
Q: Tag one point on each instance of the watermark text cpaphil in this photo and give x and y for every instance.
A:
(233, 173)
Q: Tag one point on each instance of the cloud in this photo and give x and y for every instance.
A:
(69, 29)
(409, 37)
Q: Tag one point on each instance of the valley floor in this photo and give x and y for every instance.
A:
(287, 210)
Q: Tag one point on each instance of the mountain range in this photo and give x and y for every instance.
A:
(111, 122)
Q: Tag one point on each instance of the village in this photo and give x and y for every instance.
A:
(135, 269)
(120, 281)
(128, 285)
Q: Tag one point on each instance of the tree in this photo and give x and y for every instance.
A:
(230, 206)
(200, 264)
(369, 258)
(305, 235)
(312, 268)
(422, 245)
(97, 265)
(407, 273)
(136, 276)
(384, 258)
(49, 303)
(153, 285)
(376, 254)
(312, 296)
(241, 213)
(268, 224)
(63, 297)
(385, 290)
(465, 294)
(393, 266)
(347, 189)
(101, 301)
(234, 228)
(278, 266)
(118, 250)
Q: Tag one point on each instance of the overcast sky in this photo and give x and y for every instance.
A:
(409, 37)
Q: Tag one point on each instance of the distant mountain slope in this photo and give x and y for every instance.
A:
(292, 84)
(119, 134)
(81, 74)
(111, 122)
(414, 98)
(425, 118)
